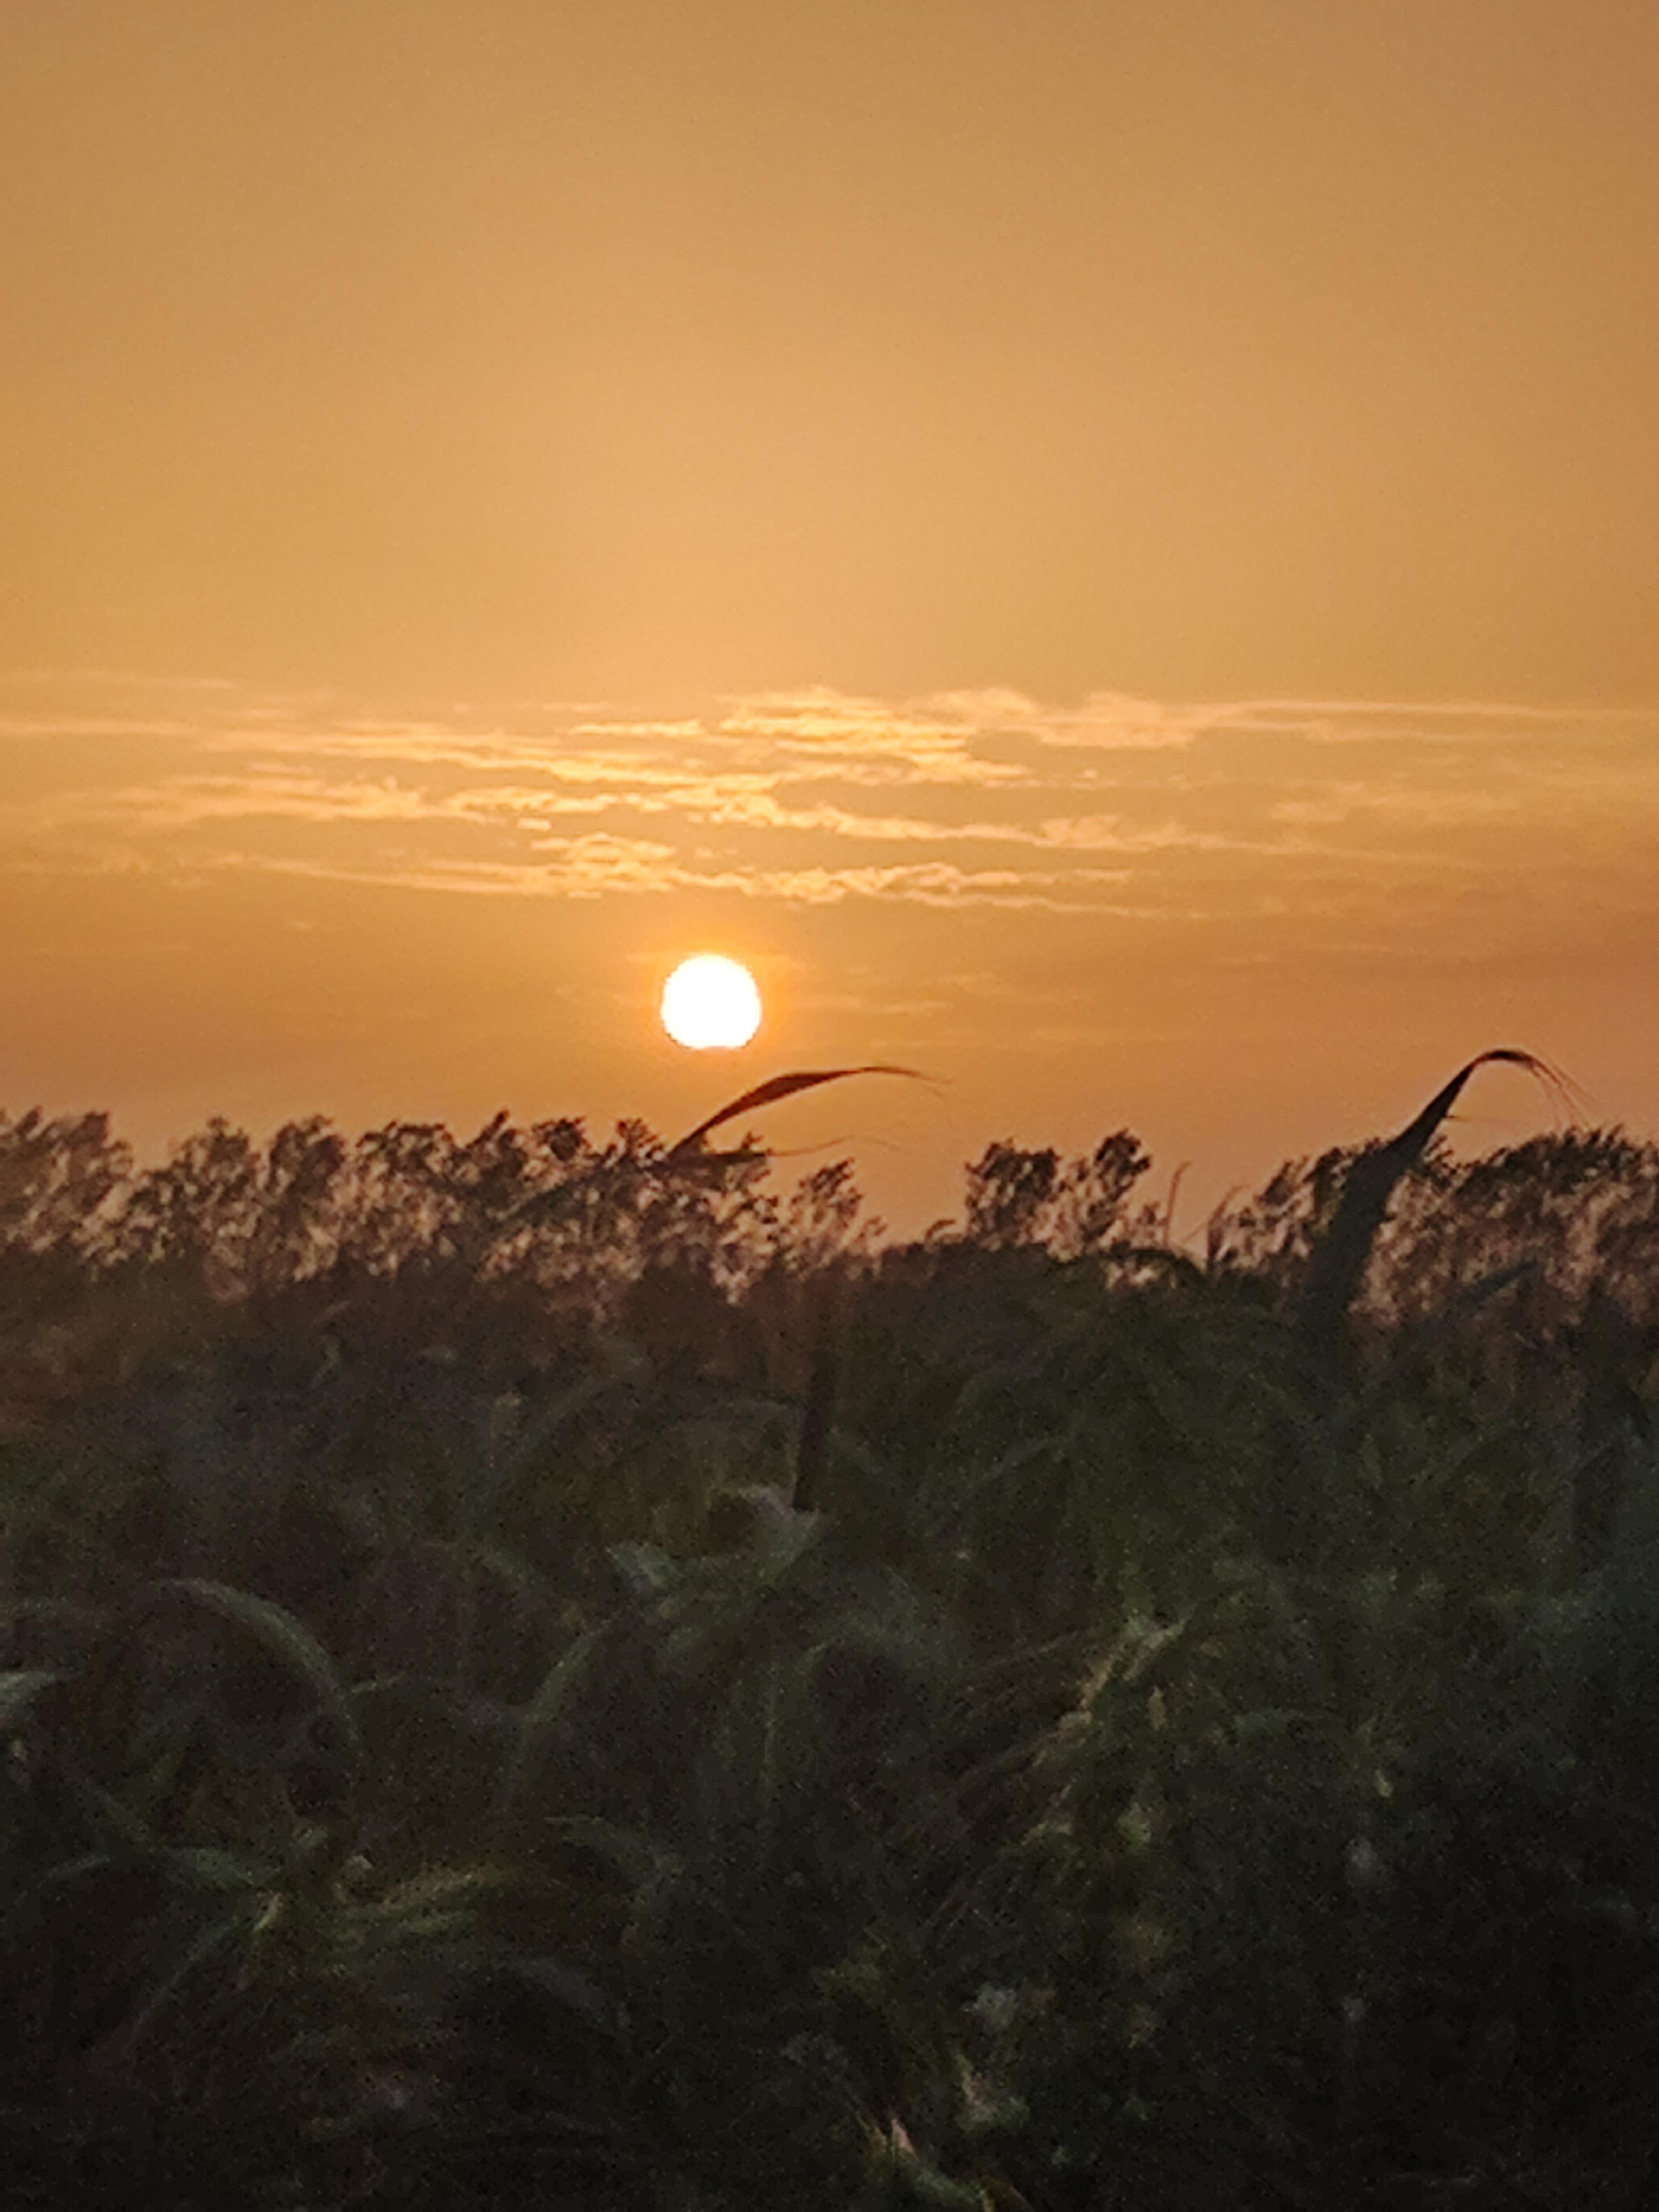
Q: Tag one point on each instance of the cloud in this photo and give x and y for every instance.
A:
(877, 741)
(1108, 833)
(50, 728)
(592, 867)
(1310, 809)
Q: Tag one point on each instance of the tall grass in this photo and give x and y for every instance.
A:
(541, 1671)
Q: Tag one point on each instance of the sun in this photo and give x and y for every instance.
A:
(710, 1001)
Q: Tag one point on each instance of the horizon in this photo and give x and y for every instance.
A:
(738, 1113)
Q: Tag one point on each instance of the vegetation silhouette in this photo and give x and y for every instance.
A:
(544, 1668)
(768, 1094)
(1342, 1251)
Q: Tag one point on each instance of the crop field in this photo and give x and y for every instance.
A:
(544, 1673)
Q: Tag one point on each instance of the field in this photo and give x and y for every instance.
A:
(546, 1673)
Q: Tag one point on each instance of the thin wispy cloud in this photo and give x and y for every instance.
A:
(595, 867)
(1113, 806)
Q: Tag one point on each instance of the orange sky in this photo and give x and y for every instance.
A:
(1108, 549)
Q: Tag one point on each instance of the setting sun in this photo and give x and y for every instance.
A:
(711, 1001)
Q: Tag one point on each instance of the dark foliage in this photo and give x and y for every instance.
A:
(542, 1669)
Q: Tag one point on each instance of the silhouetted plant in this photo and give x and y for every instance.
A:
(1070, 1207)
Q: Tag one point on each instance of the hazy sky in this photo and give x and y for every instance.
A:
(1110, 550)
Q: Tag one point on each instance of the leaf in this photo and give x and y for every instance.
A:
(19, 1688)
(203, 1867)
(1270, 1720)
(574, 1991)
(640, 1858)
(645, 1570)
(285, 1637)
(241, 1920)
(515, 1454)
(1339, 1258)
(776, 1087)
(540, 1722)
